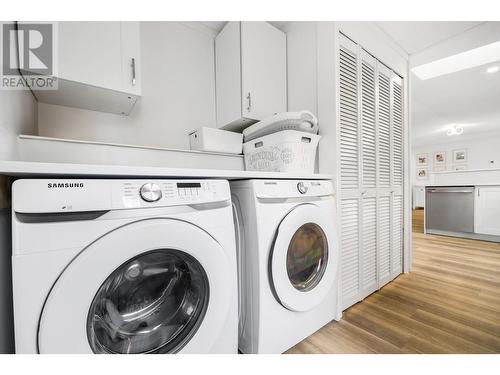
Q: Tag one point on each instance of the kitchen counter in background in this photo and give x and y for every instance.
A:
(466, 178)
(468, 210)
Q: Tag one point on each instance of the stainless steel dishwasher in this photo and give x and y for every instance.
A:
(449, 210)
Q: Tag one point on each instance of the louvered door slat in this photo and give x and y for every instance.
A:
(384, 239)
(369, 245)
(350, 250)
(397, 235)
(397, 132)
(384, 130)
(349, 144)
(368, 125)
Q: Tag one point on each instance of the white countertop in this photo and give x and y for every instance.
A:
(468, 171)
(457, 185)
(35, 169)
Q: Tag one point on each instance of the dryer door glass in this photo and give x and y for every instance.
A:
(307, 257)
(154, 303)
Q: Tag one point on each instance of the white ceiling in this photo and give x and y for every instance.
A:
(217, 26)
(415, 36)
(470, 98)
(412, 36)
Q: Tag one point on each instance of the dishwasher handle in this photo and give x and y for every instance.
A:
(451, 190)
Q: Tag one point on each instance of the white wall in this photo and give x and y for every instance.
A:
(301, 43)
(17, 116)
(178, 94)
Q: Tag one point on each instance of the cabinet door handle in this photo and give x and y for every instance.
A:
(478, 192)
(133, 71)
(249, 102)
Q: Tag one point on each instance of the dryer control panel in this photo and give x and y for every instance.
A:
(73, 195)
(292, 188)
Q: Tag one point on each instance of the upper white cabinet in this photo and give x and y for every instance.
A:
(250, 73)
(97, 66)
(487, 210)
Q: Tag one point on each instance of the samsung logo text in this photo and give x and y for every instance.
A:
(64, 185)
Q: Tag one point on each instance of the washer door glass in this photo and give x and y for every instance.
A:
(307, 257)
(153, 303)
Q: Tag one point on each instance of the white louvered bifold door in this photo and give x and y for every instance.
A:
(371, 175)
(368, 212)
(397, 175)
(384, 194)
(349, 142)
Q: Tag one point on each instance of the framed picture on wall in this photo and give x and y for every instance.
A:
(440, 158)
(460, 167)
(460, 156)
(422, 173)
(422, 159)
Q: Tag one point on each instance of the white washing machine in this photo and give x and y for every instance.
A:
(124, 266)
(288, 260)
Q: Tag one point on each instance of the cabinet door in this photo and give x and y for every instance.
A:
(228, 74)
(418, 196)
(487, 211)
(263, 68)
(131, 57)
(90, 53)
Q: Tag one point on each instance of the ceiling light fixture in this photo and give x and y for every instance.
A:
(492, 69)
(455, 130)
(461, 61)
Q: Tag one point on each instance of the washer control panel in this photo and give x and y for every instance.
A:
(173, 192)
(65, 195)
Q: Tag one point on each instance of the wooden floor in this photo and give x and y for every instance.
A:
(449, 303)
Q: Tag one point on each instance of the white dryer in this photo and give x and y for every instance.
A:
(124, 266)
(288, 261)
